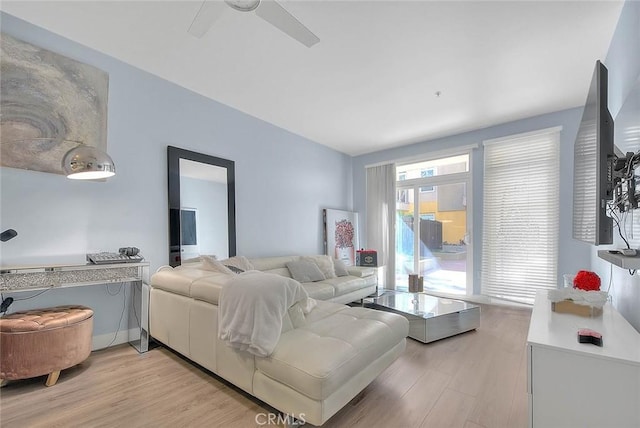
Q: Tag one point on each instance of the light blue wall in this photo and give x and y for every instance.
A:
(623, 57)
(573, 255)
(283, 181)
(623, 62)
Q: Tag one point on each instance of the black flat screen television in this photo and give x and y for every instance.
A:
(188, 227)
(183, 228)
(594, 159)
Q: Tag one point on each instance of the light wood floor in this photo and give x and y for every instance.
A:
(476, 379)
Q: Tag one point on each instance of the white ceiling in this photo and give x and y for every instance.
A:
(370, 83)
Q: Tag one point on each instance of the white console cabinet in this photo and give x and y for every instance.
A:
(572, 384)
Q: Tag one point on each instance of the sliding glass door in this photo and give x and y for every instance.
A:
(433, 225)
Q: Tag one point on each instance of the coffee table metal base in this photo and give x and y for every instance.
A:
(430, 318)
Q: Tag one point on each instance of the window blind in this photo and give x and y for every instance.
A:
(521, 215)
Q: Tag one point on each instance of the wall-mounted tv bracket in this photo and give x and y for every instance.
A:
(625, 196)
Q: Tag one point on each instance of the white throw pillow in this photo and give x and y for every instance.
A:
(198, 258)
(240, 262)
(193, 263)
(324, 263)
(305, 271)
(340, 268)
(210, 263)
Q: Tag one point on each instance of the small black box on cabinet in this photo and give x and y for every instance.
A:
(367, 258)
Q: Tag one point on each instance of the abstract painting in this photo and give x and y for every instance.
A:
(49, 105)
(341, 235)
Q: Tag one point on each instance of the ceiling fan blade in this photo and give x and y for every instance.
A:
(209, 12)
(276, 15)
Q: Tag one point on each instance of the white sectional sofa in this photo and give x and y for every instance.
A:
(322, 359)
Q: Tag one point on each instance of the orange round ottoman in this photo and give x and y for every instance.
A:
(44, 341)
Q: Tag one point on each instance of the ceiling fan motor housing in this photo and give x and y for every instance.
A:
(243, 5)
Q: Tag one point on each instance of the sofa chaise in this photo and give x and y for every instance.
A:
(322, 358)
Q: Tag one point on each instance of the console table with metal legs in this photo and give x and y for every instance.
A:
(32, 278)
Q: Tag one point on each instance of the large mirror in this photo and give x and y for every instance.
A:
(201, 206)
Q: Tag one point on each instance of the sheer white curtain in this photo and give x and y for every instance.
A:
(381, 196)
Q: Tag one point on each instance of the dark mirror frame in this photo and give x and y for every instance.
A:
(174, 154)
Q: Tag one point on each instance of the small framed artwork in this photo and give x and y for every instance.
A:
(341, 235)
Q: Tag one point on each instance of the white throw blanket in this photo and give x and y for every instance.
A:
(252, 306)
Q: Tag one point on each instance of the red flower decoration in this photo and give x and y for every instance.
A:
(344, 233)
(587, 281)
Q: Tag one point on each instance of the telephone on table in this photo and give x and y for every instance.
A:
(124, 255)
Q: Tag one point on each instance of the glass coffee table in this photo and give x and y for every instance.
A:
(430, 318)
